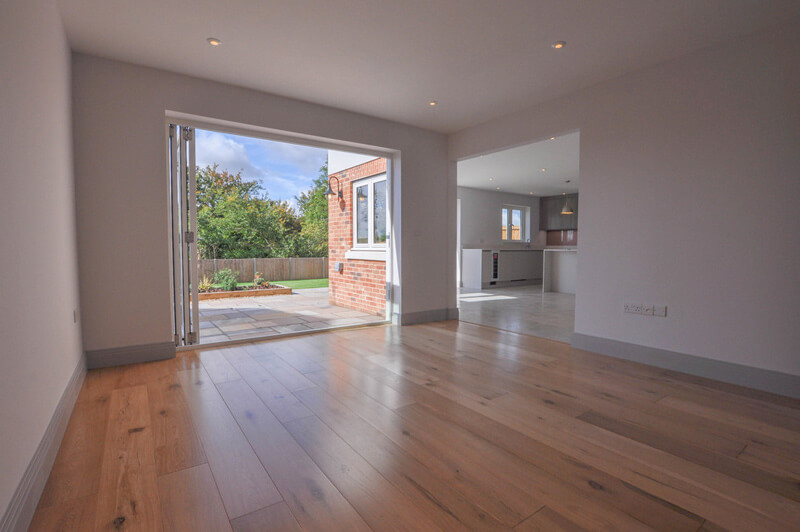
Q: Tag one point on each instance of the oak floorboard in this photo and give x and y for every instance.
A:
(729, 466)
(435, 495)
(275, 518)
(190, 501)
(241, 479)
(128, 495)
(278, 399)
(76, 470)
(177, 444)
(547, 520)
(783, 464)
(289, 377)
(75, 515)
(445, 425)
(312, 499)
(465, 473)
(380, 504)
(590, 481)
(218, 367)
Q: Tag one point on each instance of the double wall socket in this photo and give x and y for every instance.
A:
(645, 309)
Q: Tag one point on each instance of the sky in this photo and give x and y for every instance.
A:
(284, 170)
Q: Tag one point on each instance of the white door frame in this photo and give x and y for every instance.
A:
(393, 266)
(183, 204)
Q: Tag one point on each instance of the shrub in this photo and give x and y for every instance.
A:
(227, 279)
(260, 281)
(205, 284)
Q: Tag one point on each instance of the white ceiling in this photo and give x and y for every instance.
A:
(388, 58)
(519, 170)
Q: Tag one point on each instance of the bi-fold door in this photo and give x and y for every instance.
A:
(183, 197)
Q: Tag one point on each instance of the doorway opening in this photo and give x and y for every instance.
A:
(517, 237)
(259, 235)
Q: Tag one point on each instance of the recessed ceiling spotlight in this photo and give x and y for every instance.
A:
(498, 188)
(544, 169)
(491, 179)
(558, 45)
(552, 138)
(433, 103)
(213, 41)
(531, 193)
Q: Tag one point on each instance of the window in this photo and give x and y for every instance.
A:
(513, 223)
(369, 213)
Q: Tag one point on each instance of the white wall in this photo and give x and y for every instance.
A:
(690, 189)
(121, 190)
(342, 160)
(480, 217)
(41, 346)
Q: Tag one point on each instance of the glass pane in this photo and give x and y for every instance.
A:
(504, 223)
(380, 212)
(362, 215)
(516, 224)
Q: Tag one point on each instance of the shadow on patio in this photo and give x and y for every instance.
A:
(240, 318)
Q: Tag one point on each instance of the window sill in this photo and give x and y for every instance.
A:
(366, 254)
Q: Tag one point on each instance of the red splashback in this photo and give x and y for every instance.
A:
(562, 238)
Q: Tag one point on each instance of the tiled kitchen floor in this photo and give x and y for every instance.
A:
(522, 309)
(249, 317)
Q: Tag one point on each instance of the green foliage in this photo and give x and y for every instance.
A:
(205, 284)
(237, 219)
(226, 279)
(258, 280)
(313, 207)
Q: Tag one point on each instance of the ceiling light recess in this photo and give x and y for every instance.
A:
(213, 41)
(558, 45)
(433, 103)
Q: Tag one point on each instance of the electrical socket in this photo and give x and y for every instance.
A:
(644, 309)
(633, 308)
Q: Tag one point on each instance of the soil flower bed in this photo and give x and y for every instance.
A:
(245, 291)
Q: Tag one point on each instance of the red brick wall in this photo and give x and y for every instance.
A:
(361, 285)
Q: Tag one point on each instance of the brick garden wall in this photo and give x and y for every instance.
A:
(361, 284)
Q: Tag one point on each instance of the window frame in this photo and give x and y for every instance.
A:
(370, 244)
(523, 215)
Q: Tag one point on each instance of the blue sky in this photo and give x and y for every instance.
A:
(284, 170)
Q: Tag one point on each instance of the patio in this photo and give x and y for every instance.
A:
(223, 320)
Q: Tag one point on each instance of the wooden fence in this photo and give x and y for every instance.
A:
(291, 269)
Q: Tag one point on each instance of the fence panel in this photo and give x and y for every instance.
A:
(273, 269)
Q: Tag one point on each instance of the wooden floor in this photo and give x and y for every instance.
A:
(446, 426)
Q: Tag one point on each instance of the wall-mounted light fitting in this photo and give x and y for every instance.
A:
(213, 41)
(330, 193)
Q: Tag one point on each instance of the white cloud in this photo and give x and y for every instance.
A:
(284, 170)
(231, 155)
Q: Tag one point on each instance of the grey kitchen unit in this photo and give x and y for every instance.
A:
(550, 217)
(483, 268)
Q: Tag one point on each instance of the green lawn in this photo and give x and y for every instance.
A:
(305, 283)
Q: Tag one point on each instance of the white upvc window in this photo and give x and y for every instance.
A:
(512, 226)
(370, 227)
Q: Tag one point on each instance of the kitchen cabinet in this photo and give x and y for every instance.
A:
(520, 265)
(550, 217)
(523, 266)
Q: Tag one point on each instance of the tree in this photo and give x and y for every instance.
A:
(236, 218)
(313, 206)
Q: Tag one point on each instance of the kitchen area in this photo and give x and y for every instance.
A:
(518, 238)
